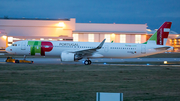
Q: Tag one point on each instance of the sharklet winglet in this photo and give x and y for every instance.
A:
(101, 44)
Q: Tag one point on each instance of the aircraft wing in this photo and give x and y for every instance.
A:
(163, 48)
(89, 52)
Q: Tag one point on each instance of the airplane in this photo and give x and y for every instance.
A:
(74, 51)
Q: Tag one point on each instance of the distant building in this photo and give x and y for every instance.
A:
(119, 33)
(15, 29)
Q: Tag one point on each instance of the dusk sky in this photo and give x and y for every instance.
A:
(152, 12)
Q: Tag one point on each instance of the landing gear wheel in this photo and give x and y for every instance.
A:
(87, 62)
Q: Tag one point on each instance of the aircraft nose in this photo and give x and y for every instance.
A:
(8, 50)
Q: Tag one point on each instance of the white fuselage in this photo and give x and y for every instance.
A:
(108, 50)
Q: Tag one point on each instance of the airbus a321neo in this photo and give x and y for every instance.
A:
(74, 51)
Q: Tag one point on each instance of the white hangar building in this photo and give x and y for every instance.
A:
(15, 29)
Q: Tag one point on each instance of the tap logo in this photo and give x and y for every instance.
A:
(40, 48)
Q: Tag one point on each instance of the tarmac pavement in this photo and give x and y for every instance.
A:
(96, 61)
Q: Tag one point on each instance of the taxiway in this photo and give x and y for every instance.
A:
(96, 61)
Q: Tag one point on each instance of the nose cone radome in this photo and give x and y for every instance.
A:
(9, 50)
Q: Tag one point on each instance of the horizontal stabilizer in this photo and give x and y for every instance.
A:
(162, 48)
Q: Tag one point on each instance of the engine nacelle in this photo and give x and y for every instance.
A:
(65, 56)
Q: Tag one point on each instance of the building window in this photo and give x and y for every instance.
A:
(10, 41)
(137, 38)
(107, 37)
(122, 38)
(91, 37)
(75, 37)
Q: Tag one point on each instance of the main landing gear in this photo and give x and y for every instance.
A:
(87, 62)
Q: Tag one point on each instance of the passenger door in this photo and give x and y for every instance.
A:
(143, 49)
(23, 45)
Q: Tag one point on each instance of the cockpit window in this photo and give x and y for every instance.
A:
(14, 44)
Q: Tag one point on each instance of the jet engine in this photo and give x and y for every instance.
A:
(65, 56)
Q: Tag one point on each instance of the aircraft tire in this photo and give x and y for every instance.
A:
(86, 62)
(89, 62)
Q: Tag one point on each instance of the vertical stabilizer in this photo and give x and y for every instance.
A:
(161, 35)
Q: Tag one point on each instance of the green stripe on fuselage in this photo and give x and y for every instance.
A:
(35, 47)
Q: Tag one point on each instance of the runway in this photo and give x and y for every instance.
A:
(96, 61)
